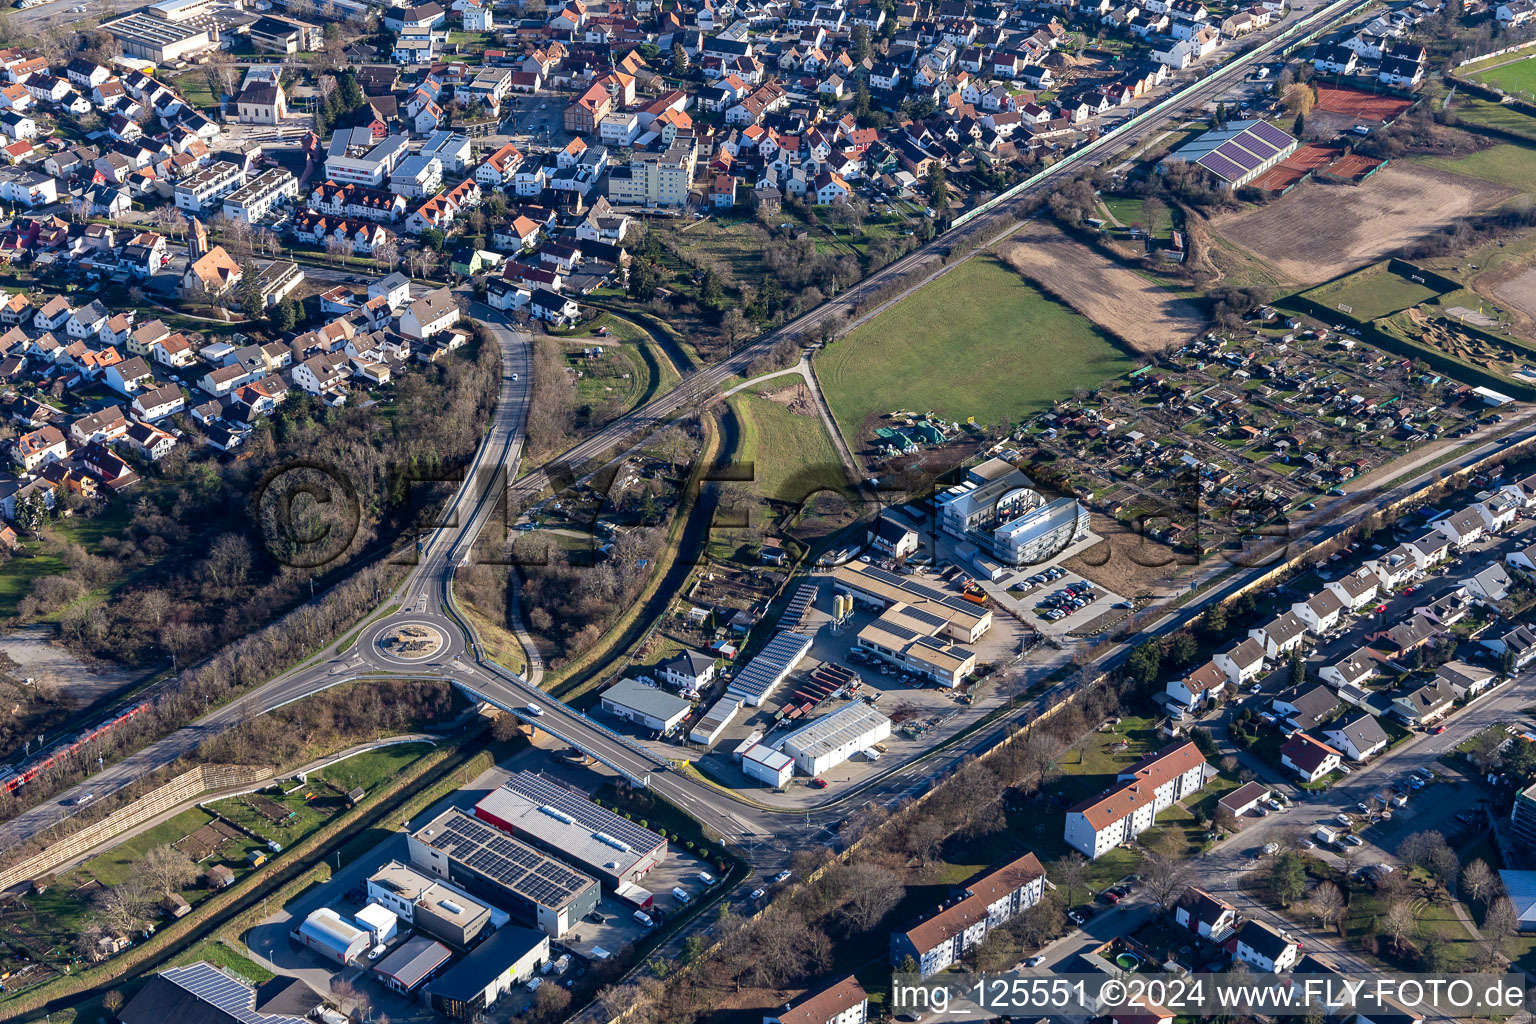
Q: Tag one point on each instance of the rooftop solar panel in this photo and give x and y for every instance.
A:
(926, 617)
(1221, 166)
(492, 854)
(1269, 133)
(1240, 156)
(1252, 145)
(542, 791)
(218, 989)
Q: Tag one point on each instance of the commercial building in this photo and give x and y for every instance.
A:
(832, 739)
(768, 766)
(997, 508)
(257, 198)
(1236, 153)
(353, 158)
(420, 174)
(762, 675)
(842, 1002)
(198, 190)
(534, 888)
(412, 964)
(159, 40)
(654, 179)
(489, 972)
(200, 993)
(719, 715)
(647, 706)
(921, 629)
(1522, 818)
(271, 33)
(328, 934)
(548, 816)
(432, 906)
(963, 923)
(1142, 791)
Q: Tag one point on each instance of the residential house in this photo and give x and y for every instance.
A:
(1354, 669)
(1309, 758)
(1425, 705)
(961, 924)
(1357, 589)
(1359, 739)
(1462, 528)
(1203, 684)
(1320, 612)
(1305, 705)
(1207, 916)
(1243, 662)
(1281, 635)
(1264, 949)
(1465, 680)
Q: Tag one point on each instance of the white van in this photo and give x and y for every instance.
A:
(644, 919)
(706, 878)
(682, 895)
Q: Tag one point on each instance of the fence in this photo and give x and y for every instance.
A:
(180, 789)
(1307, 26)
(1497, 53)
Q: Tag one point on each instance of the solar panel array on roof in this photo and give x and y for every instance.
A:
(1270, 134)
(925, 617)
(1221, 166)
(897, 629)
(495, 855)
(1240, 156)
(216, 988)
(545, 793)
(763, 673)
(805, 596)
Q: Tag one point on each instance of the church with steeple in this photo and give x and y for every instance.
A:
(211, 272)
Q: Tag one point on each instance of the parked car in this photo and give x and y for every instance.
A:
(1354, 841)
(1035, 961)
(783, 876)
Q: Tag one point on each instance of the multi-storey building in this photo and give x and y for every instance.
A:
(961, 924)
(257, 198)
(198, 190)
(1131, 806)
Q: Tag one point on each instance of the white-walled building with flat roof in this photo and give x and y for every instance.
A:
(646, 706)
(768, 766)
(832, 739)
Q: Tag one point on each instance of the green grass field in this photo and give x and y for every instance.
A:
(1506, 164)
(1372, 292)
(792, 455)
(1496, 115)
(979, 342)
(1517, 77)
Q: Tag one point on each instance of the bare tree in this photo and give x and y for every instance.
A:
(124, 908)
(338, 248)
(1500, 920)
(1399, 922)
(387, 253)
(1164, 878)
(1071, 874)
(167, 870)
(874, 891)
(1327, 902)
(1478, 880)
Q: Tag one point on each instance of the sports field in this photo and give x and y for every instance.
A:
(978, 342)
(1372, 292)
(1516, 77)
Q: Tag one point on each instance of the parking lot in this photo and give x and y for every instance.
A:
(587, 943)
(535, 121)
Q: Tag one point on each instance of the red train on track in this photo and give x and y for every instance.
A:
(13, 778)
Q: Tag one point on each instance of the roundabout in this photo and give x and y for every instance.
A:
(410, 642)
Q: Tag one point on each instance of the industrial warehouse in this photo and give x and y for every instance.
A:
(550, 817)
(538, 890)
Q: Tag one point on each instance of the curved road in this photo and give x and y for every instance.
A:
(425, 596)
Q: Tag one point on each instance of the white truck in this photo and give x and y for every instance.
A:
(1326, 835)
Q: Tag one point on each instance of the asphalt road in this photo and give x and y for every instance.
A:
(424, 597)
